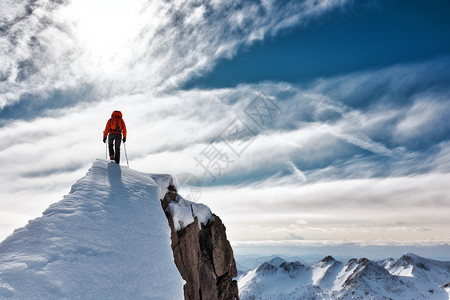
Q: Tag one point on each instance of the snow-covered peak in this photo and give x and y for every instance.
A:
(325, 271)
(405, 265)
(107, 239)
(267, 268)
(411, 258)
(293, 269)
(424, 269)
(272, 281)
(364, 269)
(278, 264)
(326, 261)
(276, 261)
(386, 263)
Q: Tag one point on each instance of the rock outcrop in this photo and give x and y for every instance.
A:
(203, 257)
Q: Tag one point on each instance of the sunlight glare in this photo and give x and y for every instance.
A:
(105, 30)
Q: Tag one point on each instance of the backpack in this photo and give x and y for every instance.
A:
(116, 122)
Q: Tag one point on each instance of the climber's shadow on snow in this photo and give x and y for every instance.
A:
(115, 180)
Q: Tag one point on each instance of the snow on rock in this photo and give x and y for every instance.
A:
(183, 213)
(107, 239)
(201, 250)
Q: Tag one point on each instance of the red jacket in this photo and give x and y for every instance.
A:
(115, 125)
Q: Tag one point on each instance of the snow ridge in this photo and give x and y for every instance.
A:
(107, 239)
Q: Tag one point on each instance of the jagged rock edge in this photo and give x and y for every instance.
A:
(208, 274)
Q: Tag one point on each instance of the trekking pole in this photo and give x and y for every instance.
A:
(126, 156)
(106, 150)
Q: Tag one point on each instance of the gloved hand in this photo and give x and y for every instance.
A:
(104, 140)
(124, 140)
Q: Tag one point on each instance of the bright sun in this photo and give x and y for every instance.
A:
(104, 29)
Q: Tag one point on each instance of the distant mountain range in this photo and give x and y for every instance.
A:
(409, 277)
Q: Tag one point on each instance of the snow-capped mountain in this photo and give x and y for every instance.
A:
(409, 277)
(249, 262)
(424, 274)
(364, 279)
(288, 280)
(411, 265)
(325, 272)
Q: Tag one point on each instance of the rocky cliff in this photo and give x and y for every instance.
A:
(203, 256)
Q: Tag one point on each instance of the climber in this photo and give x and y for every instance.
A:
(115, 127)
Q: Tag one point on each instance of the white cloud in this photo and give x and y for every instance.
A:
(426, 116)
(405, 209)
(121, 46)
(299, 174)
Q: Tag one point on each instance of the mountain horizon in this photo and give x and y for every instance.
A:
(408, 277)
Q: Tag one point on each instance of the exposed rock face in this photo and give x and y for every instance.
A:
(203, 257)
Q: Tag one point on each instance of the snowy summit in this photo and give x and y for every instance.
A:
(108, 238)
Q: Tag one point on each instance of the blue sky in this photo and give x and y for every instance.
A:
(369, 34)
(311, 126)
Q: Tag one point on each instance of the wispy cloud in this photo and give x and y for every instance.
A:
(129, 47)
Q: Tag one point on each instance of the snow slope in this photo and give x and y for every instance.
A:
(409, 277)
(107, 239)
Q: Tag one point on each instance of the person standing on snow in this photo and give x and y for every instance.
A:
(115, 127)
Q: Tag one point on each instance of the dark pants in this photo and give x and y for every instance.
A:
(114, 140)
